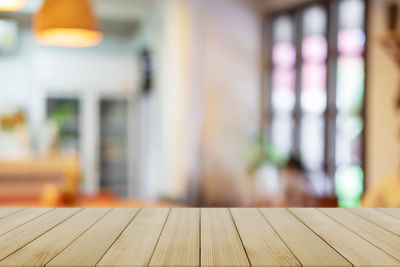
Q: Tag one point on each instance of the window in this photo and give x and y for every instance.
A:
(316, 94)
(65, 113)
(8, 35)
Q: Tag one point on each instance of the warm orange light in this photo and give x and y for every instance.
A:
(11, 5)
(68, 23)
(68, 37)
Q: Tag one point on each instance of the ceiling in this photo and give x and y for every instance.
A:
(270, 6)
(134, 10)
(114, 10)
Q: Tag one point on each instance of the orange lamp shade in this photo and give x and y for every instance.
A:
(68, 23)
(11, 5)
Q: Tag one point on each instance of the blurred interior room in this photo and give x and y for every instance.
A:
(200, 103)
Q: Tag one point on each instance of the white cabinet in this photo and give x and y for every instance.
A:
(103, 128)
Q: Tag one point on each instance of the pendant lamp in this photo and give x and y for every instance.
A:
(67, 23)
(11, 5)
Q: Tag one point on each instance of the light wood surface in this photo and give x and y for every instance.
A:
(26, 233)
(263, 245)
(395, 212)
(54, 241)
(380, 218)
(352, 246)
(20, 217)
(4, 212)
(301, 240)
(96, 241)
(220, 241)
(179, 244)
(199, 237)
(136, 244)
(373, 233)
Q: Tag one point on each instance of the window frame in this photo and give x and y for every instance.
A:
(331, 112)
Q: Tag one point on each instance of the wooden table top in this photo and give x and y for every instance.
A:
(194, 237)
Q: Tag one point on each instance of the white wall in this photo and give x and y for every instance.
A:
(34, 72)
(151, 36)
(171, 127)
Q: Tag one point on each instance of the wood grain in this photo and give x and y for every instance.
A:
(16, 219)
(199, 237)
(395, 212)
(304, 243)
(88, 249)
(380, 237)
(20, 236)
(136, 244)
(382, 219)
(220, 242)
(44, 248)
(4, 212)
(262, 243)
(354, 248)
(179, 243)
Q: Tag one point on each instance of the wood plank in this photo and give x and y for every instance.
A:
(382, 219)
(16, 219)
(91, 245)
(47, 246)
(220, 242)
(354, 248)
(179, 243)
(395, 212)
(22, 235)
(263, 245)
(380, 237)
(4, 212)
(136, 244)
(301, 240)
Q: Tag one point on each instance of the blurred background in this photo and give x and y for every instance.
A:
(199, 103)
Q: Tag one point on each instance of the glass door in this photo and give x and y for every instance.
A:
(114, 146)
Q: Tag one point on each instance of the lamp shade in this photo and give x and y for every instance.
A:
(11, 5)
(68, 23)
